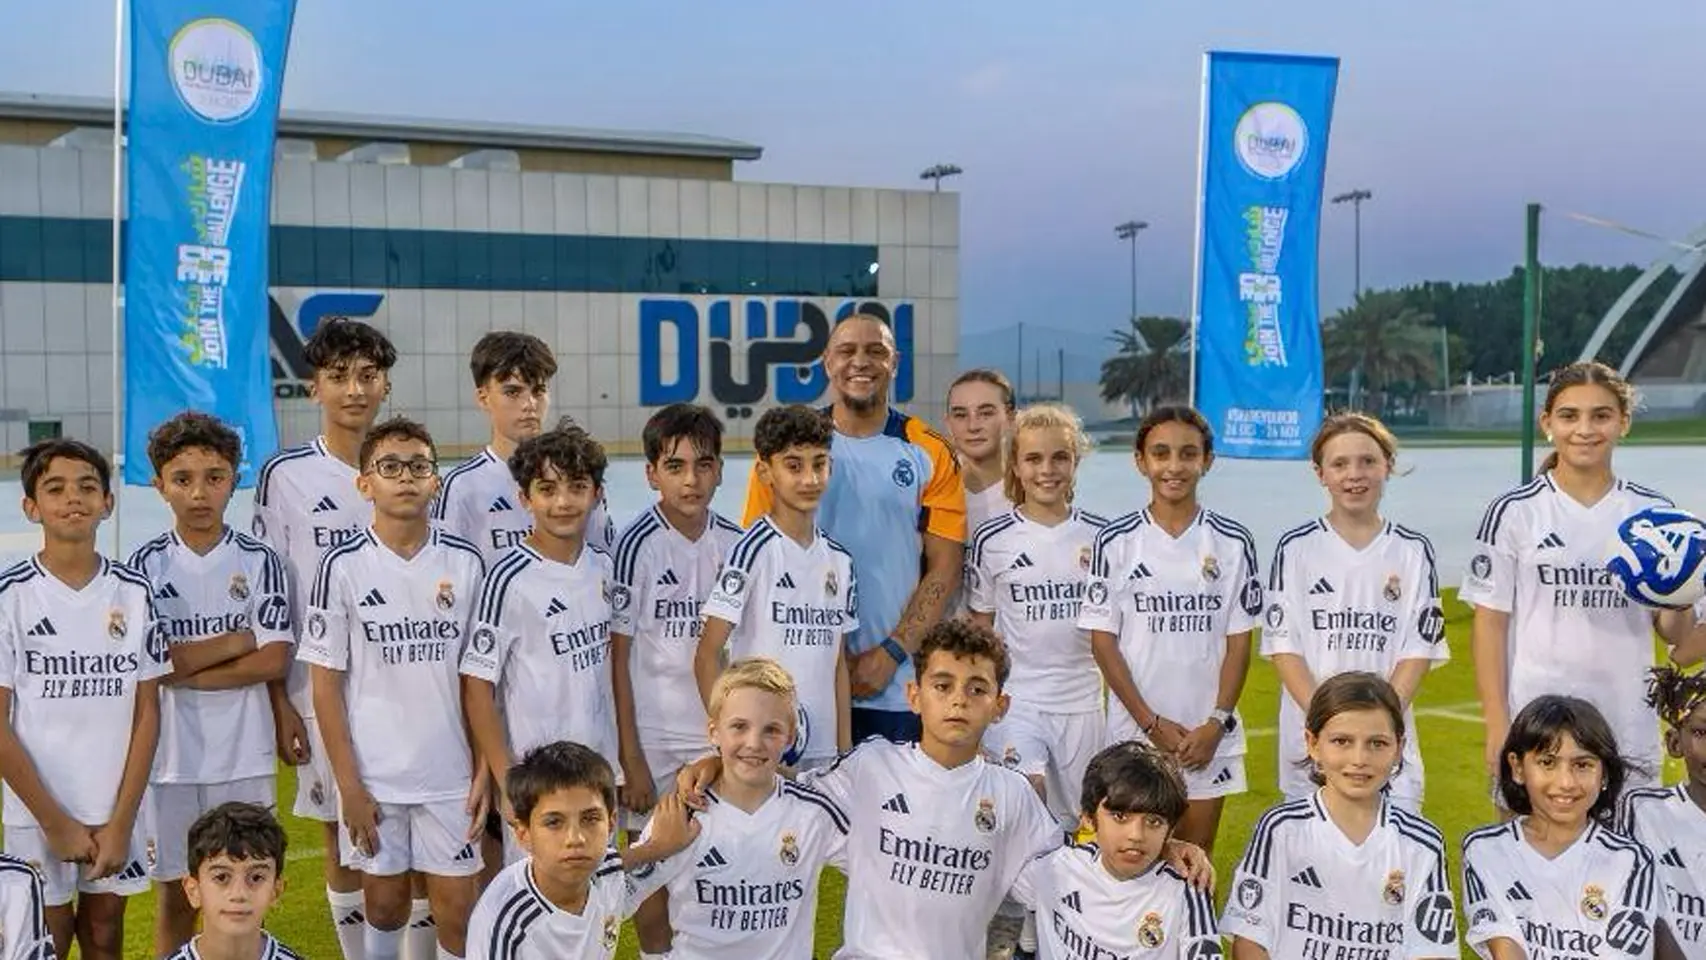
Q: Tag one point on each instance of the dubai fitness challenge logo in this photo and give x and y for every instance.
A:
(1270, 141)
(216, 69)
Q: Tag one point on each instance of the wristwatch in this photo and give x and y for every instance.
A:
(892, 647)
(1227, 720)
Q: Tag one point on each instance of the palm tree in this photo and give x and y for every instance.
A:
(1149, 366)
(1384, 338)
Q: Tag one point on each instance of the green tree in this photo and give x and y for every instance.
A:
(1385, 341)
(1150, 366)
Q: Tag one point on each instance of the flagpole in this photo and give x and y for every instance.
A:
(117, 265)
(1196, 255)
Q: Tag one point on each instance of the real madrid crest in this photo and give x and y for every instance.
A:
(116, 624)
(239, 588)
(1593, 902)
(1210, 568)
(612, 927)
(152, 852)
(620, 598)
(1010, 757)
(830, 585)
(790, 852)
(984, 818)
(317, 793)
(1393, 892)
(1151, 932)
(446, 595)
(1083, 558)
(731, 582)
(1392, 589)
(316, 627)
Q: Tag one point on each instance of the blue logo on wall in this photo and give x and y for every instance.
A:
(290, 370)
(784, 344)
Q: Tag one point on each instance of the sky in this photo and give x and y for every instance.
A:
(1455, 113)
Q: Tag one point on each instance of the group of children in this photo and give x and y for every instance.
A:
(480, 682)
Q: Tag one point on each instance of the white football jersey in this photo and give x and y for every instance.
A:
(1031, 577)
(542, 638)
(931, 851)
(513, 920)
(793, 604)
(1673, 828)
(661, 582)
(270, 950)
(1343, 609)
(747, 887)
(305, 503)
(984, 506)
(395, 628)
(73, 660)
(216, 736)
(1172, 602)
(1540, 557)
(479, 502)
(1083, 911)
(23, 917)
(1303, 889)
(1599, 898)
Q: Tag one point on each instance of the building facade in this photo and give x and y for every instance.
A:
(654, 274)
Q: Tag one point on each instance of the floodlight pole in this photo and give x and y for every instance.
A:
(1530, 330)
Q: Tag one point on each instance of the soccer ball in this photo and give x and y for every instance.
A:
(1659, 557)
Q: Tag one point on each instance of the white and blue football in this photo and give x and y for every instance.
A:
(1659, 557)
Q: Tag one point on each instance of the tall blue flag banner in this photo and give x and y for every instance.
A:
(204, 94)
(1264, 157)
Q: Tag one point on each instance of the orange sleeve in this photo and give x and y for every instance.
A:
(944, 501)
(758, 499)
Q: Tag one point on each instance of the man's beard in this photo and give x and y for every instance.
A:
(863, 405)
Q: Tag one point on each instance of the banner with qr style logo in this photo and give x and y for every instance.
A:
(1264, 155)
(205, 78)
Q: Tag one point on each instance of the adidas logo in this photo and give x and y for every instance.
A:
(136, 871)
(786, 583)
(897, 804)
(500, 505)
(373, 599)
(1073, 900)
(167, 592)
(669, 579)
(1320, 587)
(1021, 562)
(1673, 858)
(424, 923)
(1141, 572)
(43, 628)
(1308, 878)
(465, 854)
(556, 607)
(326, 505)
(1518, 892)
(354, 918)
(1552, 542)
(1224, 776)
(712, 858)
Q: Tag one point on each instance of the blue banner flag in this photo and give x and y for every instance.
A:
(1264, 157)
(205, 77)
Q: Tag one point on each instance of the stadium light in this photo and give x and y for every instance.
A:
(1129, 231)
(939, 172)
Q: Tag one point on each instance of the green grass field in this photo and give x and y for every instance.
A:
(1446, 709)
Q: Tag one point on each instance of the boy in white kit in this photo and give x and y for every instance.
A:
(305, 502)
(787, 590)
(387, 617)
(665, 563)
(81, 656)
(541, 636)
(222, 601)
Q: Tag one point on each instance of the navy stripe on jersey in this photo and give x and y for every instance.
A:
(21, 572)
(1495, 515)
(272, 567)
(612, 863)
(445, 538)
(441, 503)
(1199, 912)
(320, 595)
(629, 544)
(489, 609)
(1474, 888)
(1109, 533)
(1647, 492)
(139, 559)
(802, 792)
(1491, 832)
(1093, 519)
(985, 532)
(727, 524)
(263, 486)
(509, 930)
(833, 546)
(751, 544)
(1427, 550)
(1232, 528)
(1276, 572)
(1638, 889)
(1259, 857)
(1632, 799)
(1425, 834)
(129, 575)
(12, 866)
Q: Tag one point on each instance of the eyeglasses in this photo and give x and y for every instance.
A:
(392, 468)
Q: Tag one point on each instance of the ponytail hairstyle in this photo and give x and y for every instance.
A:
(1041, 416)
(1351, 422)
(1586, 373)
(993, 377)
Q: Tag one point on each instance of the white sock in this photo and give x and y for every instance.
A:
(420, 937)
(349, 918)
(654, 956)
(1028, 934)
(382, 944)
(444, 954)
